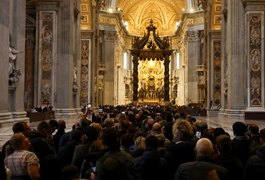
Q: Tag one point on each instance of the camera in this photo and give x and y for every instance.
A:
(198, 134)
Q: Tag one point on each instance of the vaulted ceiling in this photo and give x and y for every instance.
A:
(164, 13)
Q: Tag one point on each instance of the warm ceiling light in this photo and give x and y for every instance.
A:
(151, 63)
(110, 10)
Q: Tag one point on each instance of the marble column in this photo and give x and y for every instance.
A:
(29, 68)
(18, 33)
(236, 59)
(166, 79)
(110, 76)
(135, 79)
(189, 6)
(193, 58)
(64, 66)
(5, 114)
(223, 59)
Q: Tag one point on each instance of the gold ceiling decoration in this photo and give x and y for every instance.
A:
(216, 15)
(164, 13)
(85, 8)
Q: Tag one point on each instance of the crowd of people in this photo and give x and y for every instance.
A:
(134, 143)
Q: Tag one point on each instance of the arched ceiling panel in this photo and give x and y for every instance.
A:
(138, 13)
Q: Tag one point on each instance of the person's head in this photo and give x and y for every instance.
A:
(53, 125)
(83, 122)
(239, 128)
(262, 136)
(204, 171)
(70, 172)
(139, 143)
(46, 102)
(127, 140)
(61, 124)
(200, 126)
(151, 141)
(109, 122)
(22, 127)
(181, 125)
(204, 147)
(91, 133)
(19, 142)
(252, 129)
(183, 135)
(223, 143)
(156, 128)
(97, 126)
(44, 128)
(218, 131)
(110, 138)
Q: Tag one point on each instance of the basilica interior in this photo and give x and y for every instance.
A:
(74, 53)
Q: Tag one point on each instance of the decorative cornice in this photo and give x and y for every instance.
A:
(252, 2)
(190, 19)
(144, 54)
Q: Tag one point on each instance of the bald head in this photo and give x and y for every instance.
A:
(204, 147)
(156, 128)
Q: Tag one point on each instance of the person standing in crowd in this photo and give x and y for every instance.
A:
(114, 164)
(203, 165)
(60, 132)
(151, 165)
(240, 143)
(23, 164)
(17, 127)
(226, 158)
(255, 166)
(42, 146)
(3, 170)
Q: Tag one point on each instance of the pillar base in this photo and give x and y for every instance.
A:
(230, 113)
(9, 118)
(66, 114)
(212, 112)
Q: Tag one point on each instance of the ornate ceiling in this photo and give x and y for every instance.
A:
(138, 13)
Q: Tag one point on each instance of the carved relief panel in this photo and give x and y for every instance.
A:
(47, 38)
(216, 71)
(84, 71)
(255, 53)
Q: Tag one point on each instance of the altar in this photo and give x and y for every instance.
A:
(40, 116)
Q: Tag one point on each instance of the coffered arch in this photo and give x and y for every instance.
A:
(165, 14)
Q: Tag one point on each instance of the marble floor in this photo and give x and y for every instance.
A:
(226, 123)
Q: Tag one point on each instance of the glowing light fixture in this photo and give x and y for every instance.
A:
(151, 63)
(110, 10)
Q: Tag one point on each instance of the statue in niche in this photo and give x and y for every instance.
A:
(75, 87)
(151, 45)
(13, 72)
(151, 86)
